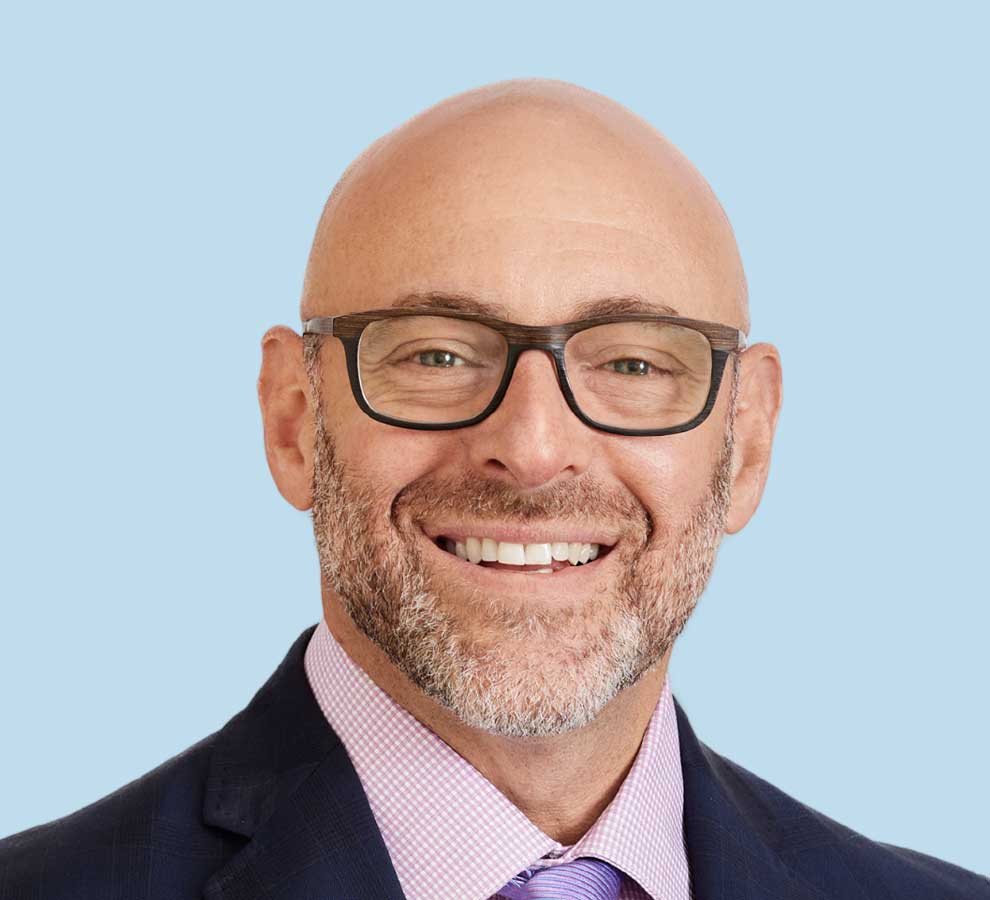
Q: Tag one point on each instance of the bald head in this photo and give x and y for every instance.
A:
(533, 196)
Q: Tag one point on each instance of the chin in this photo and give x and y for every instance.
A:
(524, 686)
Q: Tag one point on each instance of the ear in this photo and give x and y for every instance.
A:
(759, 401)
(283, 392)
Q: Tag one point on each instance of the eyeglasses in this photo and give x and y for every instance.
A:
(434, 369)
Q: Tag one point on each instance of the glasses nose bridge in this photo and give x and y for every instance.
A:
(549, 340)
(552, 348)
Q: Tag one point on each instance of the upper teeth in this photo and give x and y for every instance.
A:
(477, 550)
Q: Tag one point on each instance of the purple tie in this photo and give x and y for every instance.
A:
(583, 879)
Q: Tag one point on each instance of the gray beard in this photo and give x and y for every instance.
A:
(494, 663)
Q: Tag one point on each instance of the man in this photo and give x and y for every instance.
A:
(523, 413)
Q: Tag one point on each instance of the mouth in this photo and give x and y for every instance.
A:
(546, 556)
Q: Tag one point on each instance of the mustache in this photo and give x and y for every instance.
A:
(483, 499)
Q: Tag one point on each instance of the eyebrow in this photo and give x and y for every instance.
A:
(585, 309)
(618, 306)
(461, 302)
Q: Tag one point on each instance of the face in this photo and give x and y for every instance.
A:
(503, 652)
(509, 651)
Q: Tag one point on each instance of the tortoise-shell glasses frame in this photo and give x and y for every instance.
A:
(723, 340)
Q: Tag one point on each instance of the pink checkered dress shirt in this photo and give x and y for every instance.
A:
(453, 835)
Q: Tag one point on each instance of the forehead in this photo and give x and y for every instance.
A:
(537, 218)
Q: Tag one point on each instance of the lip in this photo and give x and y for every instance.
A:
(521, 534)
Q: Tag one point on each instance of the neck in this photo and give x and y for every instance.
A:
(562, 783)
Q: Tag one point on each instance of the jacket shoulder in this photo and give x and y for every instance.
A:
(146, 839)
(834, 858)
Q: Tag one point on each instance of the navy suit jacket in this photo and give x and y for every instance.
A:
(271, 807)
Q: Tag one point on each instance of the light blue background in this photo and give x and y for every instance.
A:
(164, 170)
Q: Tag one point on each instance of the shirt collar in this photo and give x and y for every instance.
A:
(475, 839)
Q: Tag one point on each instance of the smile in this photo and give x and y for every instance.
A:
(541, 557)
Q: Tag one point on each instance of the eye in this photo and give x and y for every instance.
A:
(439, 359)
(634, 367)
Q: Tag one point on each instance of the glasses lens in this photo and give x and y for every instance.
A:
(639, 375)
(430, 370)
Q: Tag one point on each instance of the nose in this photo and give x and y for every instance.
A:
(533, 438)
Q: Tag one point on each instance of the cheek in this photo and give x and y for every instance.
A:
(384, 458)
(381, 453)
(669, 475)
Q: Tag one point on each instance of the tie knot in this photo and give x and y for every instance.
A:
(582, 879)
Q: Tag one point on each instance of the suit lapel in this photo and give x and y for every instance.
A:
(733, 837)
(280, 776)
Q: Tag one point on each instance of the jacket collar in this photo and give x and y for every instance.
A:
(280, 776)
(732, 828)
